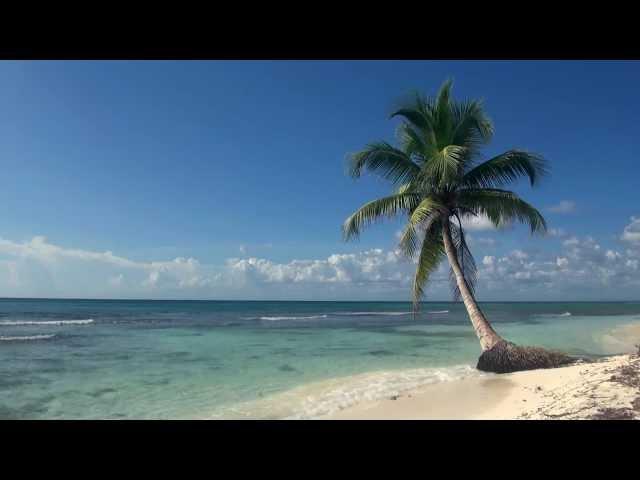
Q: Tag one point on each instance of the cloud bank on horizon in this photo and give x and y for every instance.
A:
(578, 269)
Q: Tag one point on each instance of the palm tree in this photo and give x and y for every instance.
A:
(439, 181)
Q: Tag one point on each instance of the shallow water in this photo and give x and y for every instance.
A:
(177, 359)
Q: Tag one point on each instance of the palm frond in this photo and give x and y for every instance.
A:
(427, 208)
(443, 166)
(443, 114)
(421, 218)
(506, 168)
(501, 207)
(404, 188)
(472, 126)
(409, 240)
(431, 254)
(376, 210)
(466, 261)
(385, 160)
(411, 142)
(418, 111)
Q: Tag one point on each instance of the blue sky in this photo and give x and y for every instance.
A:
(236, 169)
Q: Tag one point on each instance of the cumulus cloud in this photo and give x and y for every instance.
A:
(578, 268)
(519, 254)
(375, 265)
(557, 232)
(477, 223)
(483, 241)
(488, 260)
(582, 270)
(631, 232)
(565, 206)
(39, 268)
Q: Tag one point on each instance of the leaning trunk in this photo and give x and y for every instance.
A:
(485, 332)
(498, 355)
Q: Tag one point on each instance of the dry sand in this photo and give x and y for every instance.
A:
(609, 388)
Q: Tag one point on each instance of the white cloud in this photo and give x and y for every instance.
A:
(477, 223)
(565, 206)
(571, 241)
(484, 241)
(373, 265)
(40, 268)
(488, 260)
(631, 232)
(243, 249)
(583, 270)
(612, 255)
(557, 232)
(578, 268)
(39, 248)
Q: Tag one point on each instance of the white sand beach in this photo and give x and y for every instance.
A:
(609, 388)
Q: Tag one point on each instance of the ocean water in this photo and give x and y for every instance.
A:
(95, 359)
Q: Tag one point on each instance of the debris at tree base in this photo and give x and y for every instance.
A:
(608, 390)
(507, 357)
(627, 375)
(613, 414)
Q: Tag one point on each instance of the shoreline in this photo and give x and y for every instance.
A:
(608, 388)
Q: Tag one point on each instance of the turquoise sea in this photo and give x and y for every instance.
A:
(120, 359)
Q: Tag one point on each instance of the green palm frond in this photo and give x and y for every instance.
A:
(466, 261)
(506, 168)
(426, 209)
(418, 112)
(420, 219)
(472, 126)
(409, 240)
(431, 254)
(444, 114)
(376, 210)
(442, 167)
(502, 207)
(404, 188)
(385, 160)
(411, 142)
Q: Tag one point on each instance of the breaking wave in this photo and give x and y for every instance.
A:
(317, 399)
(565, 314)
(46, 322)
(360, 314)
(275, 319)
(26, 338)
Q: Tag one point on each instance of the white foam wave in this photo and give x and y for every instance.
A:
(326, 397)
(565, 314)
(46, 322)
(393, 314)
(26, 338)
(275, 319)
(439, 311)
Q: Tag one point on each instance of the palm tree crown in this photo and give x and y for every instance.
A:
(439, 179)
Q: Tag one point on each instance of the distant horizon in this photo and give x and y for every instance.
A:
(307, 301)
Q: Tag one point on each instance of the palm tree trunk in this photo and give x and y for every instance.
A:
(485, 332)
